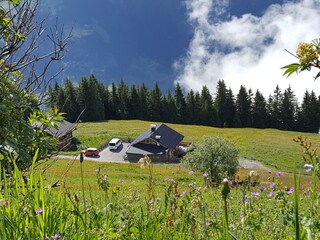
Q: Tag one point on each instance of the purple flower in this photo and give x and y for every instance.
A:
(246, 200)
(262, 188)
(256, 194)
(190, 172)
(121, 180)
(46, 238)
(271, 185)
(151, 201)
(230, 183)
(206, 174)
(158, 199)
(39, 211)
(291, 190)
(97, 170)
(308, 169)
(271, 193)
(56, 236)
(184, 192)
(280, 174)
(214, 212)
(242, 214)
(168, 179)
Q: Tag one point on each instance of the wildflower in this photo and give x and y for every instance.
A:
(46, 238)
(225, 189)
(241, 214)
(97, 170)
(246, 200)
(306, 53)
(230, 183)
(191, 172)
(151, 201)
(205, 174)
(184, 192)
(3, 202)
(39, 211)
(56, 236)
(214, 212)
(262, 188)
(291, 190)
(280, 174)
(271, 193)
(158, 199)
(168, 179)
(121, 180)
(256, 194)
(308, 169)
(190, 185)
(145, 161)
(271, 185)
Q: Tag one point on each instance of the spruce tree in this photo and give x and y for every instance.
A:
(220, 103)
(71, 107)
(243, 105)
(259, 111)
(180, 105)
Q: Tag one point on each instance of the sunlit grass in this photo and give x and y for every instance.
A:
(272, 147)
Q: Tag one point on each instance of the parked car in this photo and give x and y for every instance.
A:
(115, 143)
(91, 152)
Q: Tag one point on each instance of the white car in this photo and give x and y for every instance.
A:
(115, 143)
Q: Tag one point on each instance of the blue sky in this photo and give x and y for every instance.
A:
(193, 42)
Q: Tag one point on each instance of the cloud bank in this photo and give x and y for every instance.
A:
(248, 50)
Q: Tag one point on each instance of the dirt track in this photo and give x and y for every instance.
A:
(251, 164)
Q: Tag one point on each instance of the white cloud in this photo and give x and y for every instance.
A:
(80, 31)
(248, 50)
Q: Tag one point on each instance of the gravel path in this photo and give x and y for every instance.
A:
(245, 163)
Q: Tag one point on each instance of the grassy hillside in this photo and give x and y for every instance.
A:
(273, 148)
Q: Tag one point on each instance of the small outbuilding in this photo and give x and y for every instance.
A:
(63, 132)
(160, 143)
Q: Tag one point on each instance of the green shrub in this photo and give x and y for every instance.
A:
(215, 156)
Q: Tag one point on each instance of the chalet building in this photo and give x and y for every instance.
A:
(160, 143)
(63, 133)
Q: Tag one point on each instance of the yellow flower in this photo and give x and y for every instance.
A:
(306, 53)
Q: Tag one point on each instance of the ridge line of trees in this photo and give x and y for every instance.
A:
(245, 109)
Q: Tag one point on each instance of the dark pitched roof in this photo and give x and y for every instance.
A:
(62, 129)
(169, 137)
(142, 149)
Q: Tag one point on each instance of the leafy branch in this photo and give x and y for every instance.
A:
(308, 55)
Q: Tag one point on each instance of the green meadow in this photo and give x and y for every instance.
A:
(274, 148)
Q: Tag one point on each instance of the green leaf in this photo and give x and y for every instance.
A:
(15, 1)
(291, 68)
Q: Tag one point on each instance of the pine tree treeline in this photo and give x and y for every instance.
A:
(91, 101)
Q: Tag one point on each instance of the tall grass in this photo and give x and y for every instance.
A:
(176, 206)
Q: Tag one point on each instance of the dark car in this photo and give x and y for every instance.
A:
(91, 152)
